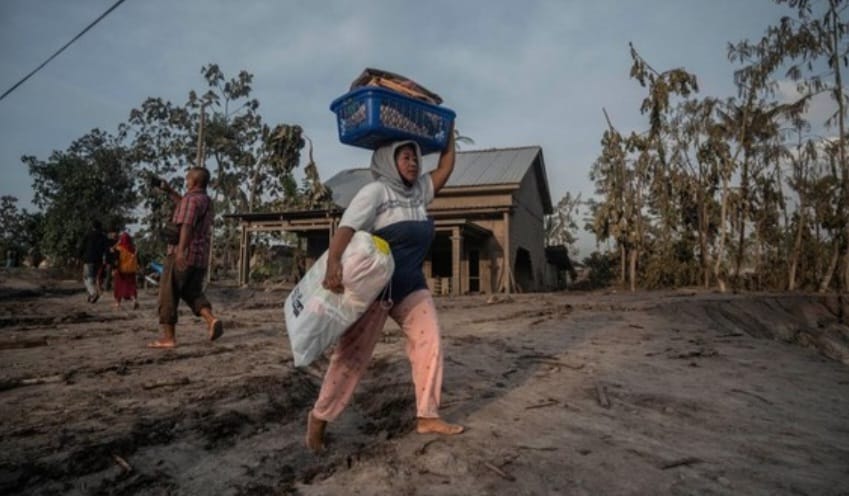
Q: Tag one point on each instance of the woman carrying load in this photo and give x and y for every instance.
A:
(393, 207)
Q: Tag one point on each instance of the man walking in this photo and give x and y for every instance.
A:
(187, 259)
(92, 249)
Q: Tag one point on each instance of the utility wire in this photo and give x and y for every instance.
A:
(75, 38)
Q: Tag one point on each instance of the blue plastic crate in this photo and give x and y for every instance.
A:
(370, 117)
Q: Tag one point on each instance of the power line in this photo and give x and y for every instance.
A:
(75, 38)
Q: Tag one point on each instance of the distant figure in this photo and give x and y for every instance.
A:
(104, 274)
(33, 258)
(393, 207)
(11, 258)
(187, 260)
(92, 248)
(126, 270)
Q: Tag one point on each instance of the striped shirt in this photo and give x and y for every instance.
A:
(403, 222)
(195, 209)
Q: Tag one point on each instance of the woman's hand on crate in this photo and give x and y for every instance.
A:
(445, 167)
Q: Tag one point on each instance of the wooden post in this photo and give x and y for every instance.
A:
(456, 255)
(244, 261)
(507, 271)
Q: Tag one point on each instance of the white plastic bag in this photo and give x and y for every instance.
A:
(316, 317)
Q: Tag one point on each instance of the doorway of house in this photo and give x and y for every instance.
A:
(474, 271)
(523, 271)
(440, 264)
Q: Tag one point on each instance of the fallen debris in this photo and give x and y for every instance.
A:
(169, 382)
(537, 448)
(42, 380)
(123, 463)
(550, 402)
(700, 352)
(690, 460)
(601, 395)
(504, 475)
(6, 384)
(753, 395)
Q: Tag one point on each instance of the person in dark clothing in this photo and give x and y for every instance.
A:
(11, 258)
(92, 250)
(104, 274)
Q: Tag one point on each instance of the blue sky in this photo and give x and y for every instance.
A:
(517, 73)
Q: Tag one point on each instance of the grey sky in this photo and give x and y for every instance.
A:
(517, 73)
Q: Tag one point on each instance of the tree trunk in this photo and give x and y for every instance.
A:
(717, 267)
(797, 249)
(623, 263)
(638, 222)
(800, 175)
(742, 217)
(845, 287)
(836, 26)
(818, 273)
(832, 265)
(744, 181)
(703, 237)
(254, 187)
(704, 261)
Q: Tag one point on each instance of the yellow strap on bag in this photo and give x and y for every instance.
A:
(381, 244)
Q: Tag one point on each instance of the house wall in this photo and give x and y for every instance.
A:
(527, 228)
(447, 200)
(490, 254)
(468, 206)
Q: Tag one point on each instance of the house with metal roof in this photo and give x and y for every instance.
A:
(489, 218)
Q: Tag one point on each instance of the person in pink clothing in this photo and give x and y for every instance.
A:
(393, 207)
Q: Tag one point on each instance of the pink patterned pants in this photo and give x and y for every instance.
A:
(416, 315)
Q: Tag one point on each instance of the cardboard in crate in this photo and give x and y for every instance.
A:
(370, 117)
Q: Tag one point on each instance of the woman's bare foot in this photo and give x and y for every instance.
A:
(162, 343)
(437, 426)
(315, 433)
(216, 329)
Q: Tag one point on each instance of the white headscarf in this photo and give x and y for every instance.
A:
(383, 167)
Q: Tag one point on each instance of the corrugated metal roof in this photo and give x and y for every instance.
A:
(484, 167)
(471, 168)
(345, 185)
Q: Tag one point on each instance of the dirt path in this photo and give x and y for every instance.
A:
(654, 393)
